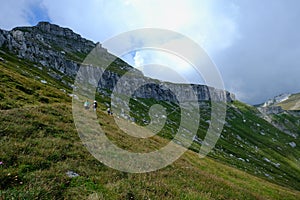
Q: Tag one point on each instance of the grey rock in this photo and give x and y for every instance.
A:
(63, 50)
(292, 144)
(268, 110)
(72, 174)
(47, 44)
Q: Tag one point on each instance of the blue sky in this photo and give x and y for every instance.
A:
(38, 13)
(255, 44)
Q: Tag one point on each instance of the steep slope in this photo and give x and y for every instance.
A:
(285, 116)
(247, 142)
(40, 145)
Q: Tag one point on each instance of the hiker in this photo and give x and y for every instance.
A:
(86, 105)
(95, 105)
(109, 112)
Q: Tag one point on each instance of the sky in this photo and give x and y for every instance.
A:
(254, 44)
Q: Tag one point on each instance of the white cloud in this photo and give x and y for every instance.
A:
(14, 13)
(212, 24)
(138, 60)
(209, 23)
(165, 66)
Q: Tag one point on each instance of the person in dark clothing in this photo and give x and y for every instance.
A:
(95, 105)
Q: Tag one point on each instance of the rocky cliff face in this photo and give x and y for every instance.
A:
(49, 45)
(269, 110)
(63, 50)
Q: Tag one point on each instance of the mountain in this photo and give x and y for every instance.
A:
(63, 51)
(291, 103)
(283, 112)
(42, 156)
(284, 101)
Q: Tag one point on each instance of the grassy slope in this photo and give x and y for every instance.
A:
(293, 103)
(247, 142)
(39, 144)
(260, 146)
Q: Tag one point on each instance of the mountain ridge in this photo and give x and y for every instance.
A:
(63, 50)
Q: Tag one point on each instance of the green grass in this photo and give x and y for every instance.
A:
(39, 151)
(39, 144)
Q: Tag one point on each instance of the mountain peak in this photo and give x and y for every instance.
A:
(48, 27)
(45, 27)
(47, 44)
(57, 30)
(42, 23)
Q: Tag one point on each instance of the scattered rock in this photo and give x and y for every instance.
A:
(279, 148)
(292, 144)
(43, 81)
(2, 59)
(238, 137)
(74, 96)
(55, 76)
(72, 174)
(177, 142)
(277, 165)
(196, 139)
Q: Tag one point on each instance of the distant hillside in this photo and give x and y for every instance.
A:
(283, 112)
(292, 103)
(285, 101)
